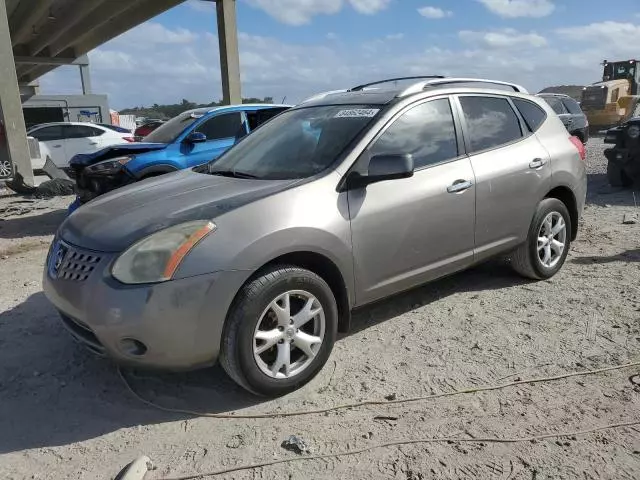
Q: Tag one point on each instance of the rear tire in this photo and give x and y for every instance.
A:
(271, 345)
(617, 176)
(547, 244)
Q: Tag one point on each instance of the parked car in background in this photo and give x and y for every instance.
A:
(146, 128)
(348, 198)
(623, 157)
(192, 138)
(570, 113)
(66, 139)
(115, 128)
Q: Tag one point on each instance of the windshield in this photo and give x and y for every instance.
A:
(168, 132)
(296, 144)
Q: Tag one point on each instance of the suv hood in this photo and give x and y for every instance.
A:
(85, 159)
(113, 222)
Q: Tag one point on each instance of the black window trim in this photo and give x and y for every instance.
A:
(456, 124)
(44, 127)
(524, 120)
(524, 130)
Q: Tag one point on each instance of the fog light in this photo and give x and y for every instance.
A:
(133, 347)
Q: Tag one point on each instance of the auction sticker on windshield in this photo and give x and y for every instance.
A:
(357, 112)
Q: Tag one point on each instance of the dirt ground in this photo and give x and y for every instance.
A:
(66, 414)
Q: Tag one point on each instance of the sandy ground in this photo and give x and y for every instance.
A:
(66, 414)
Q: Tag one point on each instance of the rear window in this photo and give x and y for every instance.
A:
(572, 106)
(533, 115)
(491, 122)
(556, 104)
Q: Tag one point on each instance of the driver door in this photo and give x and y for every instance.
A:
(221, 132)
(409, 231)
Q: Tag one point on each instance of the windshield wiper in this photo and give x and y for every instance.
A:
(232, 173)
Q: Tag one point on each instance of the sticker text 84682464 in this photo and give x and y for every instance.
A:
(357, 112)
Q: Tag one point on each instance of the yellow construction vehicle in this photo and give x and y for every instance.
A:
(616, 98)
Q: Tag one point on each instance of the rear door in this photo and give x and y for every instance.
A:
(53, 137)
(511, 167)
(578, 120)
(81, 139)
(221, 131)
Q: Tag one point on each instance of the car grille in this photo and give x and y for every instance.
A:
(69, 263)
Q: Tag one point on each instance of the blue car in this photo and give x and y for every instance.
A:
(192, 138)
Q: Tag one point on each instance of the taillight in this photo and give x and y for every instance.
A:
(580, 146)
(129, 139)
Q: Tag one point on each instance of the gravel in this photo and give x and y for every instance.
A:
(66, 414)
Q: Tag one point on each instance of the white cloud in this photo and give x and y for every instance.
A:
(395, 36)
(300, 12)
(520, 8)
(612, 36)
(332, 36)
(434, 12)
(503, 39)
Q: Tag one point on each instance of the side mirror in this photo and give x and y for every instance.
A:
(196, 137)
(384, 167)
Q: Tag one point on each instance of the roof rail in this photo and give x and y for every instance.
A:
(388, 80)
(420, 86)
(320, 96)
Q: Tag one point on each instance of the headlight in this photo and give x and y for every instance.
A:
(157, 257)
(633, 131)
(108, 167)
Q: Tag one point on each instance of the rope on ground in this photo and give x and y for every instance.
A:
(405, 442)
(366, 403)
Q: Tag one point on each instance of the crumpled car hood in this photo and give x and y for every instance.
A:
(114, 221)
(86, 159)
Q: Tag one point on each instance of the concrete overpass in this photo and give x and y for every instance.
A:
(37, 36)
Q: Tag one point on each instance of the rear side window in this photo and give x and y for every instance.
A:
(491, 122)
(533, 115)
(225, 125)
(572, 106)
(426, 131)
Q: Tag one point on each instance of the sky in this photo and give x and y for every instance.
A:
(295, 48)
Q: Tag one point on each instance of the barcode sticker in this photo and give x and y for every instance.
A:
(357, 112)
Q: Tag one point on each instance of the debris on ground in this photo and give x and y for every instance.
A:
(296, 444)
(57, 187)
(21, 207)
(630, 219)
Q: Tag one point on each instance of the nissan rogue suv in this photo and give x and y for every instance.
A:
(352, 196)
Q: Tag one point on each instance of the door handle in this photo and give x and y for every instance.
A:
(459, 186)
(57, 146)
(537, 163)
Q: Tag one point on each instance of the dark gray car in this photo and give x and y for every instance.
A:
(258, 259)
(569, 111)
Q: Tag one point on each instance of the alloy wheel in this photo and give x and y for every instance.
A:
(289, 334)
(552, 239)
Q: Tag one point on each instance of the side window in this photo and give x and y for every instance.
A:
(95, 132)
(226, 125)
(78, 131)
(426, 131)
(48, 133)
(491, 122)
(572, 106)
(533, 115)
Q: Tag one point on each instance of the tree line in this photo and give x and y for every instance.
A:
(165, 112)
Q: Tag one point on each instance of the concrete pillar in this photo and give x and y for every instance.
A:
(14, 143)
(85, 79)
(229, 56)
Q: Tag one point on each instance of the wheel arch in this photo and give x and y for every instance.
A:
(325, 268)
(566, 196)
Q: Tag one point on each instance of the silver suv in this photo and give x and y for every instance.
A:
(258, 259)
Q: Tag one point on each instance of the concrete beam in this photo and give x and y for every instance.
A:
(80, 61)
(229, 56)
(94, 19)
(10, 104)
(66, 20)
(85, 79)
(25, 17)
(140, 11)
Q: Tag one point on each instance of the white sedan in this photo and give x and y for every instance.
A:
(65, 139)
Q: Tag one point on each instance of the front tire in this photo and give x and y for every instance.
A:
(548, 242)
(280, 331)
